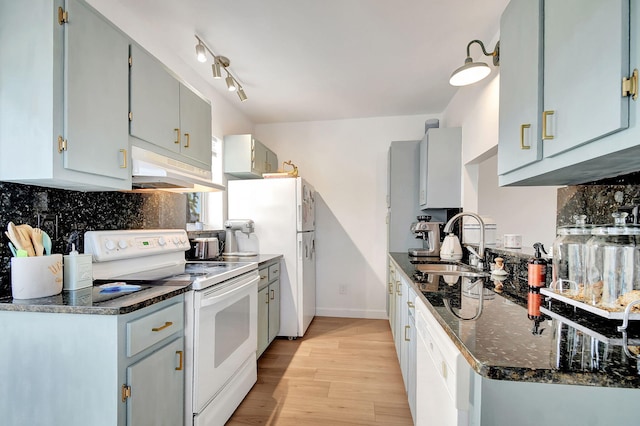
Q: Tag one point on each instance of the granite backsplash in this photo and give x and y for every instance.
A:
(596, 200)
(66, 215)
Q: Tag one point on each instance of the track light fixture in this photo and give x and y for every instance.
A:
(220, 63)
(200, 53)
(472, 72)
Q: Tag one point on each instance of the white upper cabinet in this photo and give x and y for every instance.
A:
(245, 157)
(167, 114)
(586, 56)
(564, 118)
(155, 102)
(520, 71)
(440, 168)
(64, 97)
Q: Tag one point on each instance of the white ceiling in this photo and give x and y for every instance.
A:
(307, 60)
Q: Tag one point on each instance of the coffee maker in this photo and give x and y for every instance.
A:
(429, 233)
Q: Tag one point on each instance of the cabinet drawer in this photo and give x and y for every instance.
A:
(150, 329)
(264, 277)
(274, 271)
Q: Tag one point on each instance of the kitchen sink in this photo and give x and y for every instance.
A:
(450, 269)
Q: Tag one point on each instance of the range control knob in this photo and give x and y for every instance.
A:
(176, 240)
(110, 245)
(122, 244)
(161, 241)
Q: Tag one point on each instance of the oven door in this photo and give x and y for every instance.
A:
(225, 334)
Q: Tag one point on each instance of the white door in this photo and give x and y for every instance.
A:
(305, 200)
(306, 272)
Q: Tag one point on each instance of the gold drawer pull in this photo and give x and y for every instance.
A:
(186, 135)
(410, 304)
(177, 141)
(267, 299)
(166, 324)
(124, 159)
(180, 354)
(545, 115)
(273, 294)
(406, 327)
(398, 288)
(522, 127)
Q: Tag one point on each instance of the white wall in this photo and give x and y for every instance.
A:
(530, 211)
(346, 162)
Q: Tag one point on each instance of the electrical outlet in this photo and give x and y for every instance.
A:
(342, 289)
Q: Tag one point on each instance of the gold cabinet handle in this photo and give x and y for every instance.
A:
(273, 294)
(522, 127)
(177, 141)
(406, 328)
(124, 159)
(180, 365)
(410, 304)
(390, 287)
(166, 324)
(398, 288)
(267, 299)
(188, 137)
(546, 114)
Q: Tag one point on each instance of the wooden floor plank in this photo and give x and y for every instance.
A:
(344, 371)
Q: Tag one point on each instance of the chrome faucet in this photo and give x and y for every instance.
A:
(475, 258)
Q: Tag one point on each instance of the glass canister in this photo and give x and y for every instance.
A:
(569, 257)
(613, 256)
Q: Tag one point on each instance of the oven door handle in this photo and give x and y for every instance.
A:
(233, 289)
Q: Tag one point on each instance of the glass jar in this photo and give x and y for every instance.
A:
(613, 256)
(569, 257)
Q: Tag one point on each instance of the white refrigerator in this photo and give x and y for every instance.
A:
(283, 210)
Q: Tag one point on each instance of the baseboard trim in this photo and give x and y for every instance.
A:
(350, 313)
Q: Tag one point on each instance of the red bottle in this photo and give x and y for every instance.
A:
(537, 268)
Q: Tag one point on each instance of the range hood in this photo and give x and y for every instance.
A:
(151, 171)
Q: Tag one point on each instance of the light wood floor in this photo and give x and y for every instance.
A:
(344, 371)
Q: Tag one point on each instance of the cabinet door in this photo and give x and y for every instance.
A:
(157, 387)
(195, 125)
(391, 299)
(586, 55)
(263, 320)
(412, 349)
(274, 309)
(258, 157)
(272, 162)
(95, 94)
(401, 297)
(520, 85)
(155, 102)
(440, 168)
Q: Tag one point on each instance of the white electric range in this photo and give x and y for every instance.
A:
(220, 312)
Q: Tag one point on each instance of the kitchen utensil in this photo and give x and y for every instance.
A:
(451, 249)
(12, 234)
(14, 252)
(46, 242)
(26, 240)
(22, 253)
(36, 238)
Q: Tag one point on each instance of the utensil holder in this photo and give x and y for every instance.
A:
(34, 277)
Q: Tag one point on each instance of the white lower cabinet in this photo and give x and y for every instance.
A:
(268, 305)
(100, 370)
(443, 376)
(401, 299)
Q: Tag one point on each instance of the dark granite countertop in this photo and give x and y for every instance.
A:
(567, 346)
(91, 301)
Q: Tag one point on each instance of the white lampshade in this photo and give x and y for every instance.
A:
(471, 72)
